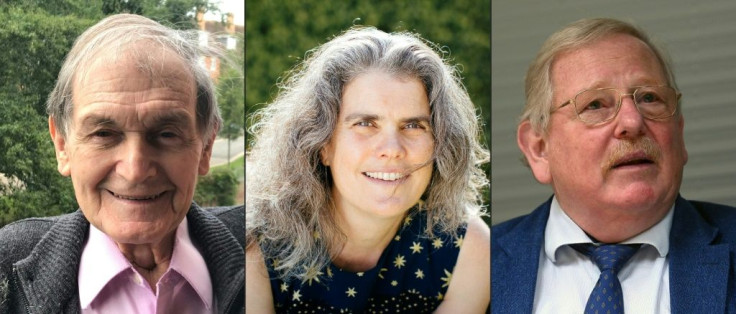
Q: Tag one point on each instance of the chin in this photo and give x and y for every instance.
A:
(391, 210)
(138, 233)
(638, 199)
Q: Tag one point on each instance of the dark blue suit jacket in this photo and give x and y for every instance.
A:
(702, 244)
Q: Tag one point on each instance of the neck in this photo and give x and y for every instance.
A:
(151, 260)
(615, 225)
(367, 237)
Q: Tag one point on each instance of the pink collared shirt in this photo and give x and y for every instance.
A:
(108, 283)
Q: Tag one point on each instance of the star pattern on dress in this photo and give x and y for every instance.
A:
(275, 263)
(399, 261)
(311, 274)
(407, 292)
(437, 243)
(416, 248)
(380, 271)
(419, 273)
(459, 241)
(407, 220)
(447, 278)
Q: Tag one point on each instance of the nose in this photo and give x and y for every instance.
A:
(629, 122)
(136, 160)
(390, 145)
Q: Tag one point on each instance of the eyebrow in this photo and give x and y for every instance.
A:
(366, 116)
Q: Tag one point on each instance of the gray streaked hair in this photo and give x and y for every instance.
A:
(538, 85)
(288, 198)
(119, 32)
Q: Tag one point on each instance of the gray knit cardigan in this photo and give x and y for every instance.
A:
(39, 259)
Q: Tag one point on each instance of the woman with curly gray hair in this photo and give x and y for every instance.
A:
(363, 185)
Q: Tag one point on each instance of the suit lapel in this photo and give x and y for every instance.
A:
(48, 276)
(698, 267)
(515, 262)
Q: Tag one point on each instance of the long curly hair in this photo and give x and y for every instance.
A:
(288, 200)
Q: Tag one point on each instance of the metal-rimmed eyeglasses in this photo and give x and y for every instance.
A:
(600, 105)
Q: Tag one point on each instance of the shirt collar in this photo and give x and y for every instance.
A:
(189, 263)
(102, 261)
(561, 230)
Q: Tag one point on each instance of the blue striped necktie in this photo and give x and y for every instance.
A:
(607, 297)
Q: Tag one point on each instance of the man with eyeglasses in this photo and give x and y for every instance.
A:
(602, 125)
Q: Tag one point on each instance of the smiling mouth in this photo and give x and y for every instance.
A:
(137, 197)
(385, 176)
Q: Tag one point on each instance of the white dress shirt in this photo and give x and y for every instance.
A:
(566, 277)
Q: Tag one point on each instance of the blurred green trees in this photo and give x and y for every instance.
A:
(278, 33)
(33, 44)
(216, 188)
(230, 93)
(34, 39)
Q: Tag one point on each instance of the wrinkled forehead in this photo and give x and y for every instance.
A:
(158, 65)
(606, 62)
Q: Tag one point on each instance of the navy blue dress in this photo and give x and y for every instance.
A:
(411, 276)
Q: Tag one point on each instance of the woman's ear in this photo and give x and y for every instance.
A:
(325, 155)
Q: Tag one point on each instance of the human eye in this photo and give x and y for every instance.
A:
(594, 105)
(363, 123)
(102, 137)
(595, 100)
(102, 133)
(168, 136)
(414, 125)
(649, 97)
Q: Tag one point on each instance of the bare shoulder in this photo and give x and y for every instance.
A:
(470, 288)
(258, 297)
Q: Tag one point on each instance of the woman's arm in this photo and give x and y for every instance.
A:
(258, 297)
(470, 287)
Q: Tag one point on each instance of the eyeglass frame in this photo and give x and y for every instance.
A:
(678, 95)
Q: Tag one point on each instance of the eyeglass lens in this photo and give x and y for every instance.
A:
(598, 105)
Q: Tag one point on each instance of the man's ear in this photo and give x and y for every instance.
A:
(204, 161)
(62, 155)
(534, 147)
(681, 129)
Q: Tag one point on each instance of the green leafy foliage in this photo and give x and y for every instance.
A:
(32, 185)
(34, 44)
(173, 13)
(216, 188)
(231, 94)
